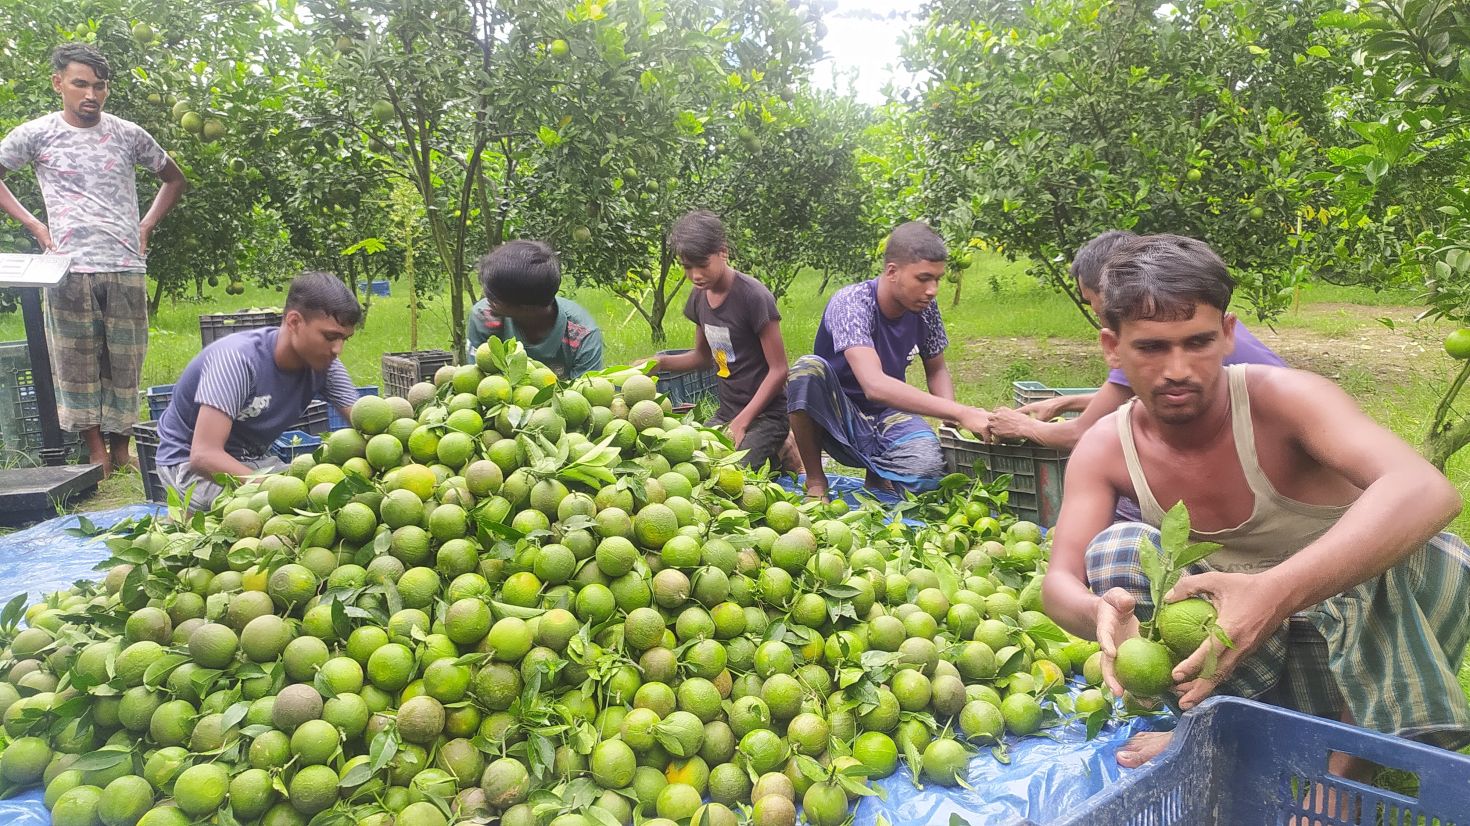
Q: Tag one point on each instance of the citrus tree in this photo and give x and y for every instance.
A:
(195, 78)
(1403, 180)
(1047, 123)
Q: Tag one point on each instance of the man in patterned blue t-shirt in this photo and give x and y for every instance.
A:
(851, 399)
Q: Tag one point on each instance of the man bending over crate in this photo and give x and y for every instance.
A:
(1033, 422)
(521, 280)
(737, 331)
(1342, 597)
(246, 389)
(851, 399)
(97, 317)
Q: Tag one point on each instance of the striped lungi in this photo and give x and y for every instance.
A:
(97, 329)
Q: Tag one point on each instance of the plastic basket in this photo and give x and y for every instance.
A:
(335, 420)
(377, 288)
(158, 396)
(293, 443)
(20, 416)
(145, 436)
(1235, 761)
(215, 326)
(687, 387)
(1026, 392)
(1036, 472)
(314, 420)
(403, 370)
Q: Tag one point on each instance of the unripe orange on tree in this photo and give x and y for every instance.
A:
(1457, 344)
(1193, 175)
(559, 48)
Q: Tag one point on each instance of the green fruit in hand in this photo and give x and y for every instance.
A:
(1144, 667)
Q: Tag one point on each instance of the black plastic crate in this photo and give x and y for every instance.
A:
(403, 370)
(314, 420)
(20, 418)
(145, 436)
(689, 386)
(1035, 489)
(215, 326)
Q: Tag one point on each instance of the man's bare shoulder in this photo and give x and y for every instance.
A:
(1290, 393)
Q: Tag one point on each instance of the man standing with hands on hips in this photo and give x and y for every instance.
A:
(98, 315)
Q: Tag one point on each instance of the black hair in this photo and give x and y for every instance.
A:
(315, 293)
(523, 273)
(913, 242)
(697, 236)
(1163, 277)
(1087, 264)
(84, 53)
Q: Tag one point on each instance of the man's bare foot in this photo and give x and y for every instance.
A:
(873, 481)
(123, 462)
(1143, 747)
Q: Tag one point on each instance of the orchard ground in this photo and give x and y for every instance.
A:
(1006, 328)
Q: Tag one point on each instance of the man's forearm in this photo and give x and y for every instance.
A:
(1070, 604)
(683, 362)
(208, 463)
(940, 383)
(1393, 518)
(767, 390)
(891, 392)
(15, 209)
(168, 195)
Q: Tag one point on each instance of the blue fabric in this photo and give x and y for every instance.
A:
(1047, 777)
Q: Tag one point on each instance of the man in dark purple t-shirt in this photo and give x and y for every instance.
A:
(1087, 268)
(850, 397)
(246, 389)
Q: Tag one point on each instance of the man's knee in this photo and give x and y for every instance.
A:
(1112, 557)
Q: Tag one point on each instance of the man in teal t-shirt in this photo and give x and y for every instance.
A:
(521, 280)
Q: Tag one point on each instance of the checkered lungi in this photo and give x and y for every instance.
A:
(1388, 650)
(97, 329)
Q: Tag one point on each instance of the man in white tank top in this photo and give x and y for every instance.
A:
(1340, 593)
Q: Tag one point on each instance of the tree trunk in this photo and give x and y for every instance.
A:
(959, 284)
(826, 278)
(157, 299)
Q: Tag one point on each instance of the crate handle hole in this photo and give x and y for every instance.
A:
(1358, 769)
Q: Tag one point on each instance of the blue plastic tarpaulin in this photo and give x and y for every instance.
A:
(1047, 776)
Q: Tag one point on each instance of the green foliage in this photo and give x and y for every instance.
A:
(1053, 121)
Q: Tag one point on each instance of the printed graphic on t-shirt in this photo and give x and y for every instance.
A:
(722, 347)
(257, 406)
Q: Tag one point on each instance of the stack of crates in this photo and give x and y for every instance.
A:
(403, 370)
(1036, 472)
(215, 326)
(20, 415)
(145, 436)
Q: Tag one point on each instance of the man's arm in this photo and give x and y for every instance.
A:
(15, 209)
(1405, 502)
(207, 454)
(937, 378)
(1056, 406)
(890, 392)
(773, 347)
(1011, 424)
(174, 187)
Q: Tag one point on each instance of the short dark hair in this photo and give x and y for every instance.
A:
(316, 293)
(523, 273)
(697, 236)
(84, 53)
(1087, 264)
(1163, 277)
(912, 242)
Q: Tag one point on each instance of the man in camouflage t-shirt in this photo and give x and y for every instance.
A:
(97, 317)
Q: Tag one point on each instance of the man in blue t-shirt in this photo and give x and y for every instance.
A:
(248, 388)
(1088, 269)
(850, 397)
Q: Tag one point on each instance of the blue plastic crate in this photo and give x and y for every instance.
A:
(1235, 761)
(687, 387)
(335, 420)
(378, 288)
(158, 397)
(293, 443)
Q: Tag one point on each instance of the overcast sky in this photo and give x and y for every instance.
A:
(862, 41)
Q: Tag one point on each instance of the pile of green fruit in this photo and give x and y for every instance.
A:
(551, 604)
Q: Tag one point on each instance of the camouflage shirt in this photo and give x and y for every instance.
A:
(88, 182)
